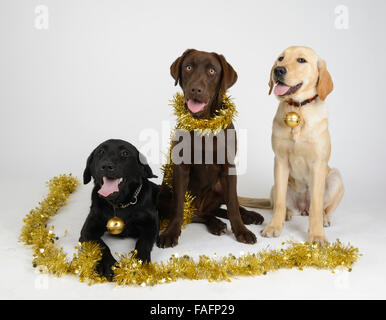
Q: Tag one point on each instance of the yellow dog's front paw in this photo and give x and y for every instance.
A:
(271, 231)
(319, 239)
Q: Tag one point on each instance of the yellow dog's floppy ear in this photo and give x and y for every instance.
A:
(325, 84)
(270, 83)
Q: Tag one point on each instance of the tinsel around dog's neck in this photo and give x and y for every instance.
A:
(222, 118)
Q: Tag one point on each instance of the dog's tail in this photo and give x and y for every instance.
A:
(256, 203)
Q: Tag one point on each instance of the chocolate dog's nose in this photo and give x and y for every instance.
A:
(196, 89)
(280, 71)
(108, 166)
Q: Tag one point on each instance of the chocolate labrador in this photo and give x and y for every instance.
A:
(204, 78)
(121, 189)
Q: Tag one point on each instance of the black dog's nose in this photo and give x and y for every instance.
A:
(280, 71)
(108, 166)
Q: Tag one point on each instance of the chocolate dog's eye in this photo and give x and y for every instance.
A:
(301, 60)
(280, 58)
(212, 71)
(188, 68)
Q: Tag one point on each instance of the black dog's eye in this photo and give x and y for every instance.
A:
(101, 152)
(188, 68)
(124, 154)
(301, 60)
(280, 58)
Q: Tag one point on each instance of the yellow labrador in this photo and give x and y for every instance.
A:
(303, 182)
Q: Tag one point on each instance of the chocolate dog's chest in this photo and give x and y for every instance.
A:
(209, 149)
(204, 176)
(209, 156)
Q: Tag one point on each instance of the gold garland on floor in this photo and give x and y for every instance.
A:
(186, 121)
(130, 271)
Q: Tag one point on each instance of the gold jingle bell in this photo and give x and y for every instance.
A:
(115, 225)
(292, 119)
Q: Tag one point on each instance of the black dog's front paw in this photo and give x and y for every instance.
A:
(104, 267)
(143, 256)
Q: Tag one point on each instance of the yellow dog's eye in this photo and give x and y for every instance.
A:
(301, 60)
(189, 68)
(280, 58)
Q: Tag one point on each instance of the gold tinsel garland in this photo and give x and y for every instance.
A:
(220, 121)
(130, 271)
(186, 121)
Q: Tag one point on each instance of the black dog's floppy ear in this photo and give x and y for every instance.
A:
(146, 170)
(229, 75)
(175, 68)
(87, 171)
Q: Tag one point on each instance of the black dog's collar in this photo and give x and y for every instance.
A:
(300, 104)
(130, 203)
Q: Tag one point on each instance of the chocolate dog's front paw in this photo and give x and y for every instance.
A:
(104, 267)
(251, 217)
(245, 236)
(168, 239)
(216, 226)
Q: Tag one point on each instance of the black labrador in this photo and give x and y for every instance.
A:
(121, 189)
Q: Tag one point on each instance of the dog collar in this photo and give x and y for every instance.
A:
(130, 203)
(300, 104)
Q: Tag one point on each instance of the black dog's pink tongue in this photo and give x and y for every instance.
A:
(109, 186)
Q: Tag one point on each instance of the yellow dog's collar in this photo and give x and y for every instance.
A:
(300, 104)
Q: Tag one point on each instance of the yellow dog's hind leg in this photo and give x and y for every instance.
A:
(333, 194)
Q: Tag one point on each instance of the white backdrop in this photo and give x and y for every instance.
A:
(101, 70)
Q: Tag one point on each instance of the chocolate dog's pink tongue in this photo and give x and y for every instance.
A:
(109, 186)
(281, 89)
(195, 106)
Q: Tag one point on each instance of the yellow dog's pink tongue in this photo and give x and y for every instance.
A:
(195, 106)
(109, 186)
(281, 89)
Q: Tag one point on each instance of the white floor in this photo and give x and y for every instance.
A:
(91, 76)
(351, 224)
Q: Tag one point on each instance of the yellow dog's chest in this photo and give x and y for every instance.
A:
(299, 153)
(304, 140)
(302, 145)
(295, 142)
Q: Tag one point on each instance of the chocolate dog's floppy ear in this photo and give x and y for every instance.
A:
(325, 84)
(87, 171)
(175, 68)
(146, 170)
(229, 75)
